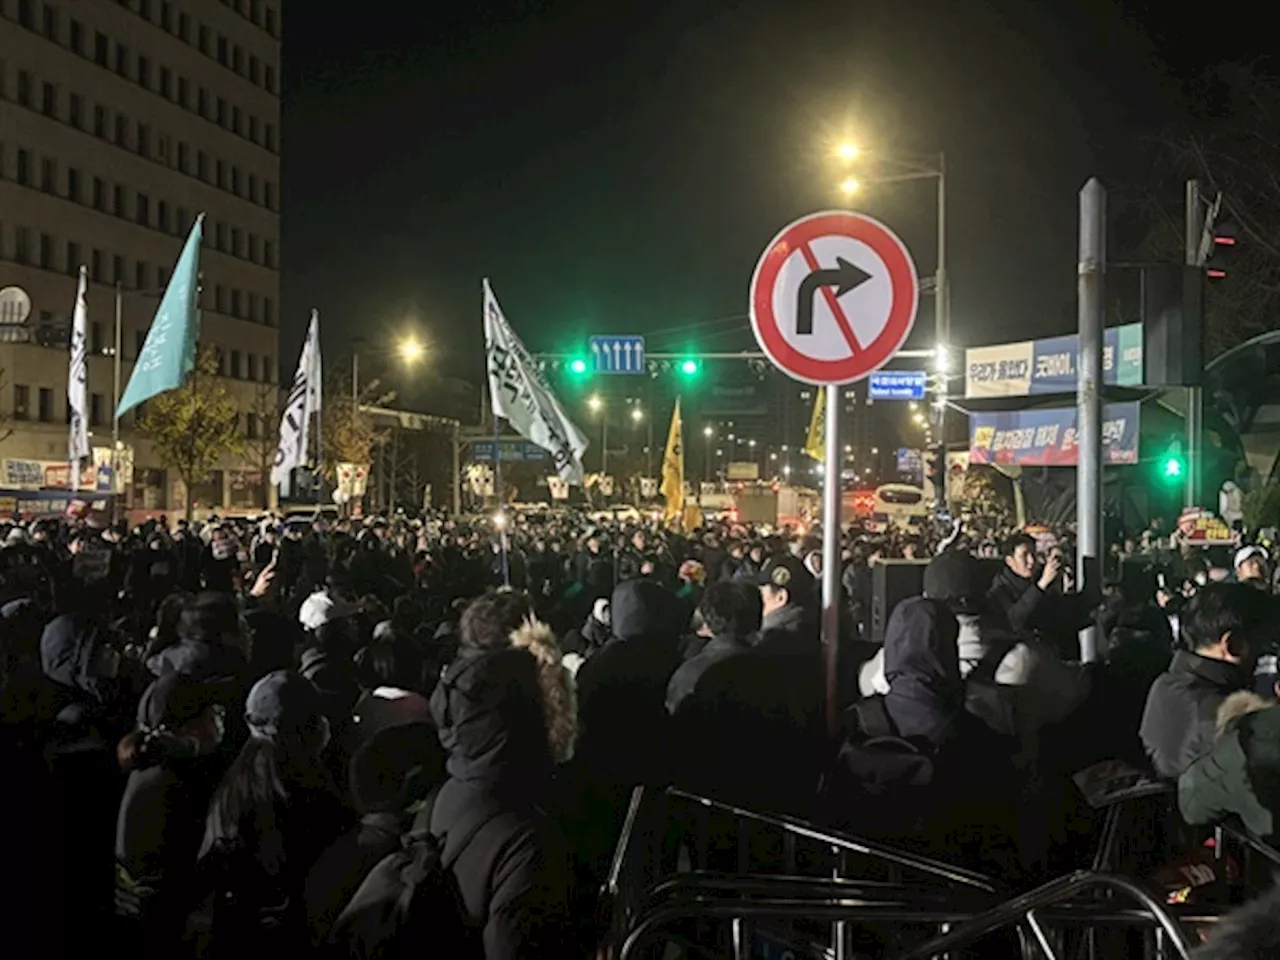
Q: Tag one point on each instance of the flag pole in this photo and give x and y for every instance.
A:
(497, 489)
(115, 404)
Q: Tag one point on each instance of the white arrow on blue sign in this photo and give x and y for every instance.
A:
(617, 354)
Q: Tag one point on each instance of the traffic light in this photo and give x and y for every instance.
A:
(578, 366)
(1221, 246)
(688, 367)
(1172, 465)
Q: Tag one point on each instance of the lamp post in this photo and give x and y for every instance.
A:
(597, 406)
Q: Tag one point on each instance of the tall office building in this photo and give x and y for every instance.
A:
(120, 121)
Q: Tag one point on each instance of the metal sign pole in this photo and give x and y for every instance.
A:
(831, 557)
(1093, 258)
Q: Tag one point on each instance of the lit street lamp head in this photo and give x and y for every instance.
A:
(594, 402)
(849, 186)
(411, 350)
(847, 151)
(637, 414)
(708, 432)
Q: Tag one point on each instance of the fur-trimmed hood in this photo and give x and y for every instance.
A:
(507, 715)
(1239, 704)
(559, 695)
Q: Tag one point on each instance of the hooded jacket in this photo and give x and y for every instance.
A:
(1241, 774)
(505, 718)
(622, 688)
(925, 701)
(1182, 707)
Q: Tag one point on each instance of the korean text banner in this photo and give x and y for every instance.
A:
(1048, 437)
(1041, 367)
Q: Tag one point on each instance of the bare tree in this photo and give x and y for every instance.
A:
(263, 437)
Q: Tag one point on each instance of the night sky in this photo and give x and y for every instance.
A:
(618, 167)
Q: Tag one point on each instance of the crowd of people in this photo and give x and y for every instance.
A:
(244, 737)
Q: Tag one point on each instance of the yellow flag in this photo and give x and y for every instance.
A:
(813, 444)
(673, 470)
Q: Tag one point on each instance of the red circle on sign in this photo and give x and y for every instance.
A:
(902, 312)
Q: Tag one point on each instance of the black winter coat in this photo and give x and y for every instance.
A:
(1178, 723)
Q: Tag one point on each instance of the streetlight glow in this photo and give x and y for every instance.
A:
(411, 349)
(847, 151)
(850, 185)
(708, 432)
(637, 414)
(594, 402)
(942, 358)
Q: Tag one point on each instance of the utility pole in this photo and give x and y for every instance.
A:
(1195, 395)
(1091, 270)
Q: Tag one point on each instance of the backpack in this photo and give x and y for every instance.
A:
(410, 899)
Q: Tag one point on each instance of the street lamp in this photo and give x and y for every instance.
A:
(595, 403)
(597, 406)
(707, 433)
(411, 350)
(850, 185)
(636, 414)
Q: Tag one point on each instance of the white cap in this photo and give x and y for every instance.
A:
(1245, 554)
(320, 608)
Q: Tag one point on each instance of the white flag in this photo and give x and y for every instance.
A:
(304, 400)
(518, 393)
(78, 439)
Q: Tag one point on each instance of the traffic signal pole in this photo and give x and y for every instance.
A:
(1090, 296)
(1195, 395)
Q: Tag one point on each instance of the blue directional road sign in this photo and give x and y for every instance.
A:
(617, 354)
(517, 451)
(898, 385)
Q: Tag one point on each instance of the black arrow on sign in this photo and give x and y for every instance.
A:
(844, 277)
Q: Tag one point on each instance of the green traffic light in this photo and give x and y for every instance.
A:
(1172, 468)
(577, 366)
(688, 367)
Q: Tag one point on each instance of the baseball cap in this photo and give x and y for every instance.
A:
(282, 700)
(321, 608)
(1245, 554)
(787, 571)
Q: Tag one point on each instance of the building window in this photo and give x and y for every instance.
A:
(183, 158)
(237, 59)
(95, 270)
(269, 78)
(237, 242)
(48, 175)
(162, 278)
(73, 184)
(46, 405)
(253, 248)
(117, 269)
(25, 16)
(237, 120)
(24, 168)
(269, 195)
(101, 48)
(46, 252)
(24, 88)
(99, 121)
(251, 361)
(251, 426)
(253, 128)
(22, 245)
(75, 110)
(204, 39)
(77, 37)
(219, 299)
(202, 102)
(271, 137)
(268, 370)
(122, 60)
(235, 180)
(220, 236)
(220, 169)
(202, 165)
(166, 83)
(122, 130)
(143, 210)
(271, 21)
(166, 15)
(221, 118)
(95, 337)
(181, 224)
(235, 303)
(184, 27)
(95, 408)
(162, 216)
(222, 50)
(99, 193)
(222, 361)
(144, 140)
(73, 258)
(139, 341)
(268, 312)
(235, 364)
(255, 11)
(118, 201)
(144, 8)
(255, 70)
(253, 188)
(140, 275)
(50, 23)
(268, 253)
(253, 313)
(49, 100)
(144, 72)
(21, 401)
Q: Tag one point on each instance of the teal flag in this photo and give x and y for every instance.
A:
(169, 352)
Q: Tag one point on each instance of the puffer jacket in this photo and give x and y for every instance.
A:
(1241, 774)
(1182, 708)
